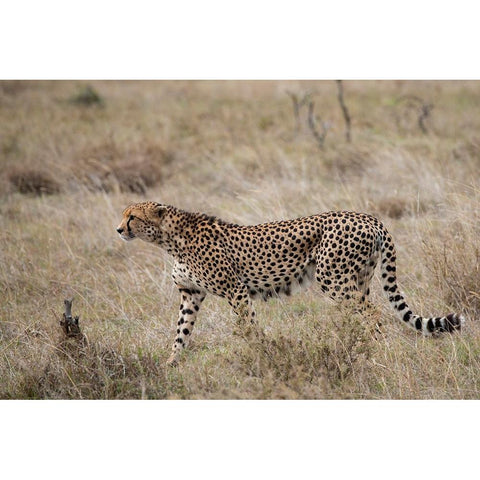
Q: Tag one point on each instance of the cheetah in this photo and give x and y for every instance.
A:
(338, 249)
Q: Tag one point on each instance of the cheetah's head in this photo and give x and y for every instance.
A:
(141, 220)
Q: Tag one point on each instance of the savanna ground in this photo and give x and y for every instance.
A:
(74, 155)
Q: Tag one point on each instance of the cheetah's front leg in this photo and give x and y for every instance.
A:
(189, 307)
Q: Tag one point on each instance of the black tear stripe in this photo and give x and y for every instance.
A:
(130, 219)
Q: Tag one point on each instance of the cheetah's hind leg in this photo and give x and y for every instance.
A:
(247, 327)
(363, 281)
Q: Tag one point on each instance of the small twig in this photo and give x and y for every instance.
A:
(297, 105)
(424, 113)
(72, 382)
(346, 115)
(320, 137)
(296, 109)
(424, 109)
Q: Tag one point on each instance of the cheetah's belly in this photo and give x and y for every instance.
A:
(282, 282)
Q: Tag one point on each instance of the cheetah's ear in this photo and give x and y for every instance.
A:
(160, 210)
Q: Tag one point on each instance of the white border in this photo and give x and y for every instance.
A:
(238, 439)
(305, 39)
(251, 39)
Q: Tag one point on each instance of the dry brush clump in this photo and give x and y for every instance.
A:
(28, 180)
(87, 96)
(108, 168)
(312, 361)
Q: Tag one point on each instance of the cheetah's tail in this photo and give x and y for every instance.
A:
(427, 326)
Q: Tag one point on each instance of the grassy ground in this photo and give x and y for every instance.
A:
(73, 157)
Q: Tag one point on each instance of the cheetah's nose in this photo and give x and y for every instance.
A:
(119, 230)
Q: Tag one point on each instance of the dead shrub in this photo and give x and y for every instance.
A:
(348, 160)
(469, 149)
(93, 370)
(330, 353)
(392, 207)
(106, 168)
(33, 181)
(87, 96)
(396, 207)
(137, 175)
(13, 87)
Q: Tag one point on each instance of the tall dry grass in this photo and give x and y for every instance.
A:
(231, 149)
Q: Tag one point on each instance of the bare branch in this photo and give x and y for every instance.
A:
(296, 109)
(421, 106)
(297, 105)
(320, 137)
(346, 115)
(424, 114)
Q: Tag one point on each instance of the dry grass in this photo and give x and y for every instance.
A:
(231, 149)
